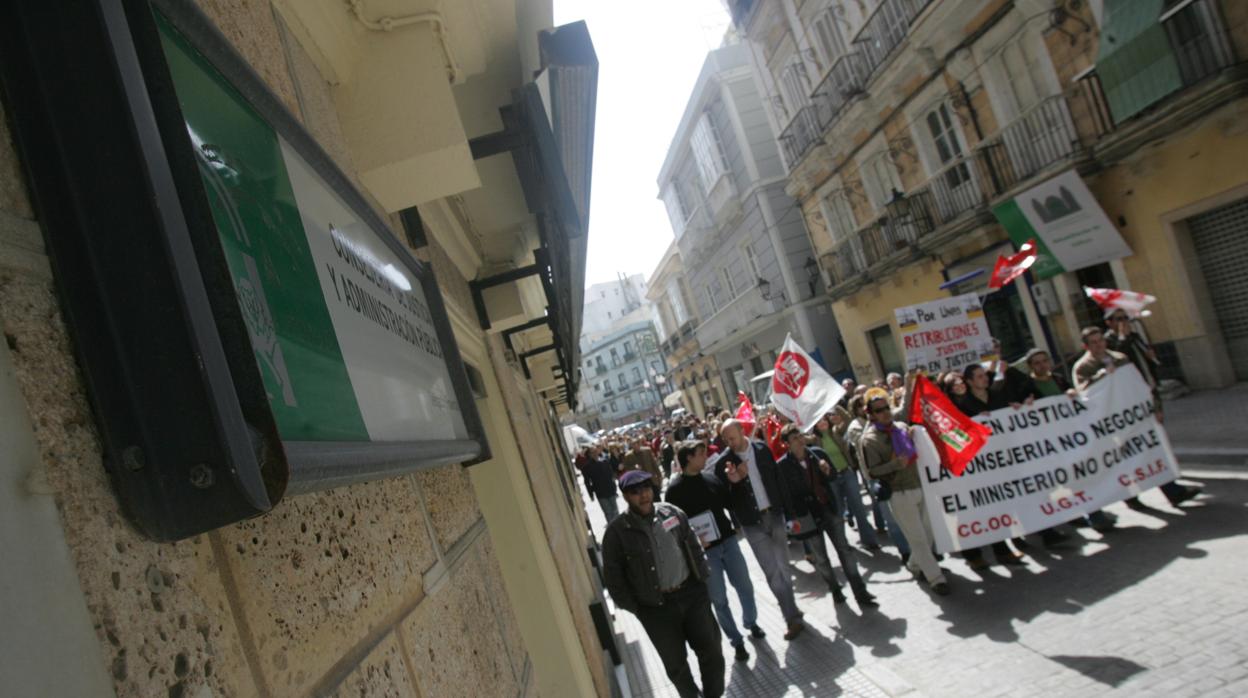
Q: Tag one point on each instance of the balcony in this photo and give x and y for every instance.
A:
(747, 306)
(800, 135)
(846, 80)
(893, 237)
(1197, 39)
(886, 28)
(956, 189)
(1031, 143)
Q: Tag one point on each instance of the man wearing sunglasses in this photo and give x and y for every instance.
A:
(1122, 338)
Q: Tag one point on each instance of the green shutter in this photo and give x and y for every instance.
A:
(1135, 63)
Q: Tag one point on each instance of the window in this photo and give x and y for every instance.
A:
(839, 215)
(636, 375)
(676, 298)
(710, 301)
(706, 153)
(656, 366)
(795, 86)
(880, 177)
(628, 348)
(751, 261)
(613, 407)
(825, 34)
(621, 381)
(677, 209)
(948, 147)
(729, 286)
(608, 314)
(1196, 37)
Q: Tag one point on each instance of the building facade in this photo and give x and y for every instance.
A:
(447, 579)
(748, 262)
(905, 123)
(608, 302)
(623, 375)
(694, 377)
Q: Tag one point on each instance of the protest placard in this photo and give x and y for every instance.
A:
(1049, 463)
(945, 334)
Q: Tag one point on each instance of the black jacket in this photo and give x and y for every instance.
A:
(700, 493)
(741, 494)
(797, 482)
(628, 560)
(600, 477)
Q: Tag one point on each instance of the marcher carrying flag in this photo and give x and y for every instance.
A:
(956, 436)
(800, 389)
(1111, 299)
(1014, 266)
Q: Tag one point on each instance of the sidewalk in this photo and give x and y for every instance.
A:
(1153, 608)
(1207, 427)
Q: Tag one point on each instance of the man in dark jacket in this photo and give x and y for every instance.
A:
(654, 568)
(756, 498)
(703, 497)
(806, 471)
(600, 481)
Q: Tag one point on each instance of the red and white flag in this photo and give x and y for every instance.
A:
(957, 437)
(1012, 267)
(800, 389)
(745, 414)
(1111, 299)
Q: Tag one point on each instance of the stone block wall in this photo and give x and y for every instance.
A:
(384, 588)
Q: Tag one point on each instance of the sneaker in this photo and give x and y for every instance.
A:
(741, 654)
(871, 547)
(1013, 560)
(795, 629)
(838, 596)
(1136, 504)
(941, 589)
(757, 632)
(978, 564)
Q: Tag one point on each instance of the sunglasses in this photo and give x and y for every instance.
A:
(1118, 318)
(880, 410)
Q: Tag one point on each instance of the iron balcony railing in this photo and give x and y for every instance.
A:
(887, 238)
(956, 189)
(845, 80)
(1040, 137)
(801, 133)
(885, 29)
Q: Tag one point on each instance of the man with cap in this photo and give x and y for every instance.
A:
(757, 500)
(655, 568)
(887, 452)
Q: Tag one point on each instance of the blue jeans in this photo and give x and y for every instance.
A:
(726, 559)
(845, 489)
(610, 507)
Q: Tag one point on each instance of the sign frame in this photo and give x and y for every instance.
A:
(190, 442)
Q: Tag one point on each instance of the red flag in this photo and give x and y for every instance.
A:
(957, 437)
(777, 445)
(745, 415)
(1012, 267)
(1129, 302)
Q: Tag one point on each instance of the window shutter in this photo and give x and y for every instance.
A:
(1134, 61)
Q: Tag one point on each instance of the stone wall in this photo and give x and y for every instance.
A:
(384, 588)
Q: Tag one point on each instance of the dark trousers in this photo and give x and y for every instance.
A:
(685, 617)
(833, 525)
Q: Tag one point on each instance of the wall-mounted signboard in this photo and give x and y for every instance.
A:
(291, 342)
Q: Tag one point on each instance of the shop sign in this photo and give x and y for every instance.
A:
(1067, 221)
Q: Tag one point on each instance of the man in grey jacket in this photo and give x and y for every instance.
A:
(655, 568)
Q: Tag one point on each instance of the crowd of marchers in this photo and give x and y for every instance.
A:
(696, 486)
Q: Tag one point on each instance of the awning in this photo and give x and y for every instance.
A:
(673, 400)
(1134, 61)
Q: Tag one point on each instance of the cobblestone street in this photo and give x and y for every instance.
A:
(1155, 607)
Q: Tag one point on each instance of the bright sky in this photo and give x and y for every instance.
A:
(649, 55)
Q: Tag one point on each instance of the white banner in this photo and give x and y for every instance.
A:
(1049, 463)
(946, 334)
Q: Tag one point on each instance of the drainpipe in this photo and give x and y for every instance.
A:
(979, 136)
(388, 24)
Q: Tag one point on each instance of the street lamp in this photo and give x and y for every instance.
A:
(812, 273)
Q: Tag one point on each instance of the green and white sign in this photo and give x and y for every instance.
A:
(340, 325)
(1067, 222)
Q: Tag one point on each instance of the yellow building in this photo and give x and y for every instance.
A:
(906, 124)
(448, 147)
(695, 377)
